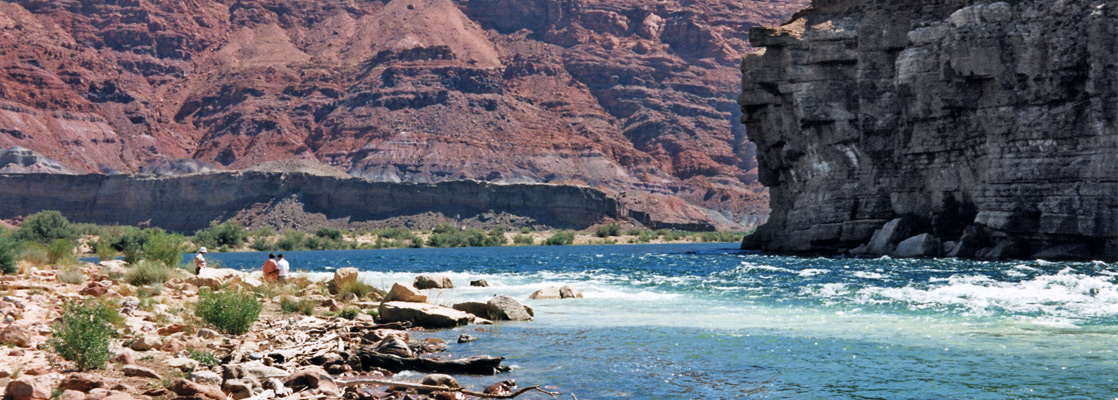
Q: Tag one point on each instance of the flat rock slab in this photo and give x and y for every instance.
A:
(424, 315)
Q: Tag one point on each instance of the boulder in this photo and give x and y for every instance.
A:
(502, 307)
(125, 356)
(81, 382)
(205, 378)
(171, 329)
(377, 335)
(433, 281)
(342, 276)
(974, 239)
(15, 335)
(185, 388)
(479, 283)
(253, 373)
(97, 394)
(441, 380)
(313, 378)
(174, 345)
(423, 315)
(207, 333)
(405, 293)
(568, 292)
(550, 292)
(1065, 252)
(71, 395)
(476, 308)
(182, 364)
(95, 289)
(215, 278)
(395, 346)
(464, 338)
(883, 240)
(1004, 248)
(114, 266)
(25, 389)
(237, 389)
(140, 372)
(923, 245)
(145, 343)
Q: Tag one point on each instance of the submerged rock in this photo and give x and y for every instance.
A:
(502, 307)
(433, 281)
(550, 292)
(923, 245)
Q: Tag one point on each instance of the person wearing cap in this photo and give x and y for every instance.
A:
(200, 261)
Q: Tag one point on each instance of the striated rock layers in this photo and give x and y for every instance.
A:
(304, 201)
(629, 96)
(990, 126)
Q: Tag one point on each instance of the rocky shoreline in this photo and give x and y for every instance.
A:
(337, 345)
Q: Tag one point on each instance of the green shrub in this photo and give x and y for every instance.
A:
(35, 253)
(524, 230)
(644, 237)
(497, 237)
(633, 232)
(147, 272)
(232, 312)
(84, 334)
(103, 249)
(349, 313)
(71, 275)
(608, 230)
(204, 358)
(329, 233)
(61, 251)
(164, 247)
(291, 305)
(229, 233)
(523, 240)
(8, 249)
(262, 244)
(46, 226)
(560, 238)
(291, 240)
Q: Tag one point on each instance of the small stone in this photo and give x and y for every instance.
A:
(182, 364)
(145, 343)
(479, 283)
(205, 378)
(185, 388)
(25, 389)
(171, 329)
(237, 389)
(464, 338)
(207, 333)
(97, 394)
(119, 396)
(81, 382)
(94, 289)
(15, 353)
(312, 378)
(173, 346)
(71, 395)
(125, 356)
(120, 387)
(441, 380)
(394, 346)
(130, 302)
(349, 298)
(140, 372)
(16, 335)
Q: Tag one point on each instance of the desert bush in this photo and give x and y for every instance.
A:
(523, 240)
(633, 232)
(644, 237)
(34, 253)
(524, 230)
(329, 233)
(349, 313)
(46, 226)
(357, 287)
(84, 334)
(290, 240)
(164, 247)
(103, 249)
(231, 312)
(608, 230)
(71, 275)
(148, 272)
(61, 251)
(9, 248)
(204, 358)
(560, 238)
(292, 305)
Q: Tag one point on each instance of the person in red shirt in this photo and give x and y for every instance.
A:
(271, 273)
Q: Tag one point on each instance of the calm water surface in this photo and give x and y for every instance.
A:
(710, 322)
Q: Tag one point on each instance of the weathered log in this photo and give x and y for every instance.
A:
(429, 388)
(477, 365)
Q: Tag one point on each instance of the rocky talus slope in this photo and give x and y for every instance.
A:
(633, 97)
(945, 127)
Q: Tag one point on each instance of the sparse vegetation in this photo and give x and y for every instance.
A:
(231, 312)
(71, 276)
(229, 233)
(61, 251)
(204, 358)
(84, 334)
(45, 227)
(357, 287)
(147, 272)
(608, 230)
(349, 313)
(523, 240)
(8, 250)
(560, 238)
(292, 305)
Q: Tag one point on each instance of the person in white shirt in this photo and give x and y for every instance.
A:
(284, 268)
(200, 261)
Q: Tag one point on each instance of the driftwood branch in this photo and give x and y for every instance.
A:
(430, 388)
(477, 365)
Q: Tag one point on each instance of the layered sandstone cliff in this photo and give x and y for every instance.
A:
(991, 127)
(302, 200)
(629, 96)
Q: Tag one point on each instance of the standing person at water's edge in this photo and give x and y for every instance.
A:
(271, 269)
(283, 269)
(200, 261)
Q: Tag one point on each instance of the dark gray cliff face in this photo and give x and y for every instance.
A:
(190, 202)
(991, 126)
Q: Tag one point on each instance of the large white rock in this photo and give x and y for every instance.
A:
(924, 245)
(423, 315)
(506, 308)
(550, 292)
(215, 278)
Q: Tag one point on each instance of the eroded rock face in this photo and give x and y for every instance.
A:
(993, 123)
(627, 94)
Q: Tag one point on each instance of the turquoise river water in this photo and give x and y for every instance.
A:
(710, 322)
